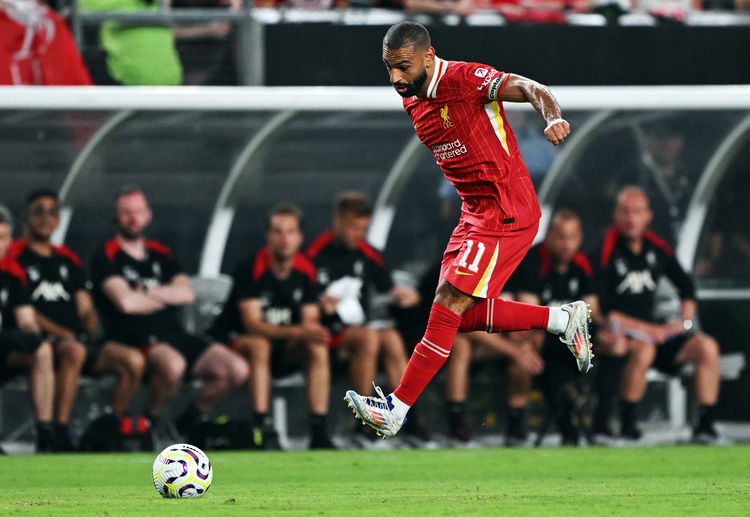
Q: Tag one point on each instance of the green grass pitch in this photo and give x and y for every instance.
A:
(652, 481)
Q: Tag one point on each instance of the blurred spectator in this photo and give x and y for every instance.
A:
(21, 346)
(136, 54)
(59, 292)
(515, 11)
(555, 272)
(538, 11)
(273, 320)
(726, 255)
(37, 48)
(318, 5)
(662, 172)
(351, 272)
(207, 49)
(665, 176)
(139, 288)
(631, 261)
(460, 7)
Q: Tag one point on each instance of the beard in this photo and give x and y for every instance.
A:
(129, 235)
(414, 87)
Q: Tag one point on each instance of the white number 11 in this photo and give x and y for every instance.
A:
(474, 266)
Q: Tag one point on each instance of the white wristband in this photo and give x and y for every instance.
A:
(553, 122)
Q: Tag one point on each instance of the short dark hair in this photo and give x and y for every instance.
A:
(284, 208)
(407, 34)
(354, 203)
(40, 193)
(565, 214)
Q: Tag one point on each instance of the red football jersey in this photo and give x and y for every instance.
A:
(465, 127)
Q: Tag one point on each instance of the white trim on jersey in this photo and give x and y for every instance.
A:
(441, 66)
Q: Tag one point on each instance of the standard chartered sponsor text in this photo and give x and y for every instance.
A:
(448, 150)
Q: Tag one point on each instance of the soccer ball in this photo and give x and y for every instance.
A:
(182, 470)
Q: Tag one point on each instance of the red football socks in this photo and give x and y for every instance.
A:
(491, 315)
(430, 354)
(498, 315)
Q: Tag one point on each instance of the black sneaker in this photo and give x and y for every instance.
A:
(416, 435)
(516, 437)
(460, 434)
(631, 433)
(365, 437)
(569, 434)
(266, 439)
(603, 436)
(705, 436)
(45, 439)
(321, 442)
(63, 443)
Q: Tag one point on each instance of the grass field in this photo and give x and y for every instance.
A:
(653, 481)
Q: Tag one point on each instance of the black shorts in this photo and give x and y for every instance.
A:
(667, 352)
(15, 340)
(191, 346)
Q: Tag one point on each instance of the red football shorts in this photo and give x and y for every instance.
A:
(479, 262)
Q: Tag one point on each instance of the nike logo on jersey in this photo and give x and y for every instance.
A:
(459, 272)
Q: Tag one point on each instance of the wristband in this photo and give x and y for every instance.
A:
(552, 122)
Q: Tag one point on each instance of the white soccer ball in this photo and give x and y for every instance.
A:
(182, 470)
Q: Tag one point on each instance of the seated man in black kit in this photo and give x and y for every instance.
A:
(273, 320)
(139, 287)
(631, 261)
(59, 291)
(350, 270)
(21, 345)
(555, 272)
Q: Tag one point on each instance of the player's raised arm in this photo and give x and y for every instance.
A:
(522, 89)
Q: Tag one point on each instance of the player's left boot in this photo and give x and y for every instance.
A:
(377, 412)
(576, 334)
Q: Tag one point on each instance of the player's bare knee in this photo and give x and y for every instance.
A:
(135, 362)
(642, 357)
(239, 371)
(710, 350)
(72, 354)
(171, 370)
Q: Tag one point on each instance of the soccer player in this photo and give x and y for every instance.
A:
(456, 109)
(272, 319)
(556, 272)
(57, 285)
(139, 287)
(21, 345)
(631, 261)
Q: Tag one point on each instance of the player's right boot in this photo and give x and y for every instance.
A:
(576, 335)
(377, 412)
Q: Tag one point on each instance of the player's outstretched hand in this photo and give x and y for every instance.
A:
(557, 130)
